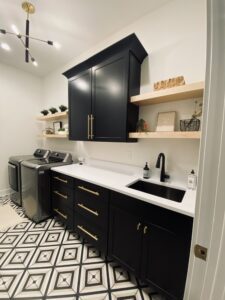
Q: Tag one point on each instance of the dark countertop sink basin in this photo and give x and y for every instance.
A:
(158, 190)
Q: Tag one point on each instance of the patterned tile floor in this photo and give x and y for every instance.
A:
(46, 261)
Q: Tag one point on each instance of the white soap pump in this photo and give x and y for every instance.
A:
(192, 180)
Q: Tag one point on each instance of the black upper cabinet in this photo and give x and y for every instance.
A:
(80, 106)
(109, 99)
(99, 93)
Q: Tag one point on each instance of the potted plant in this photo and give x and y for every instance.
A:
(62, 108)
(53, 110)
(44, 112)
(61, 131)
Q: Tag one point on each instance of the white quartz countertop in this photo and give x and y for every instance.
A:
(119, 180)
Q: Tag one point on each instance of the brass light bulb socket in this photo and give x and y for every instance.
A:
(28, 7)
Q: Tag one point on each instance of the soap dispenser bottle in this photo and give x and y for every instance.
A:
(192, 180)
(146, 171)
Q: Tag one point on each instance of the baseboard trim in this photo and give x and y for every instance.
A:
(5, 192)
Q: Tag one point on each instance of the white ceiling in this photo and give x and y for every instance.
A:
(76, 24)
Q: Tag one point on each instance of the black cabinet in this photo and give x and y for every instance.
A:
(91, 207)
(109, 99)
(124, 241)
(80, 106)
(152, 242)
(62, 198)
(99, 93)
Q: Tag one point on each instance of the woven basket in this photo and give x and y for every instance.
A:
(190, 124)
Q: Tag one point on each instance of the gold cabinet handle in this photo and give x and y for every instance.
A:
(145, 229)
(88, 209)
(92, 119)
(60, 179)
(61, 214)
(61, 195)
(88, 127)
(138, 226)
(87, 190)
(94, 237)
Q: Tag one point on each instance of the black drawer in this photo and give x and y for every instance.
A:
(63, 213)
(61, 180)
(62, 195)
(92, 202)
(91, 232)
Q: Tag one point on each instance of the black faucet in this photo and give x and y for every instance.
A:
(163, 175)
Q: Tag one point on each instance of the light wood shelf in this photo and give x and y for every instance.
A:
(55, 136)
(193, 90)
(166, 135)
(52, 117)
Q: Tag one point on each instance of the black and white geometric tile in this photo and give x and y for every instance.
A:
(46, 261)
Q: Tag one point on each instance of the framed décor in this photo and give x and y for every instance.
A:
(166, 121)
(57, 125)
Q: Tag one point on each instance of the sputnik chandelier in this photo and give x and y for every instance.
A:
(29, 8)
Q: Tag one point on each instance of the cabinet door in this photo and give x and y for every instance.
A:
(125, 239)
(165, 260)
(110, 99)
(80, 106)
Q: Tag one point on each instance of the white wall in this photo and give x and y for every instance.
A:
(175, 38)
(20, 100)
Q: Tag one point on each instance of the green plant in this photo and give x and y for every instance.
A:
(53, 110)
(44, 112)
(61, 129)
(63, 108)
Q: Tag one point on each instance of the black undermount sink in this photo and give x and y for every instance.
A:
(158, 190)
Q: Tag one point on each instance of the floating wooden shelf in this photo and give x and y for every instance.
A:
(193, 90)
(55, 136)
(166, 135)
(51, 117)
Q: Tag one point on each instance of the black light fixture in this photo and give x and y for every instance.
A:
(29, 8)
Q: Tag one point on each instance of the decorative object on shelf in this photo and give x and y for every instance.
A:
(57, 126)
(192, 124)
(169, 83)
(53, 110)
(48, 130)
(44, 112)
(62, 131)
(62, 108)
(29, 8)
(197, 113)
(166, 121)
(142, 126)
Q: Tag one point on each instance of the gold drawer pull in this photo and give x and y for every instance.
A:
(94, 237)
(61, 214)
(88, 209)
(87, 190)
(60, 179)
(145, 229)
(61, 195)
(138, 226)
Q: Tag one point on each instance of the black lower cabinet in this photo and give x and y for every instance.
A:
(91, 205)
(165, 260)
(151, 242)
(157, 252)
(124, 239)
